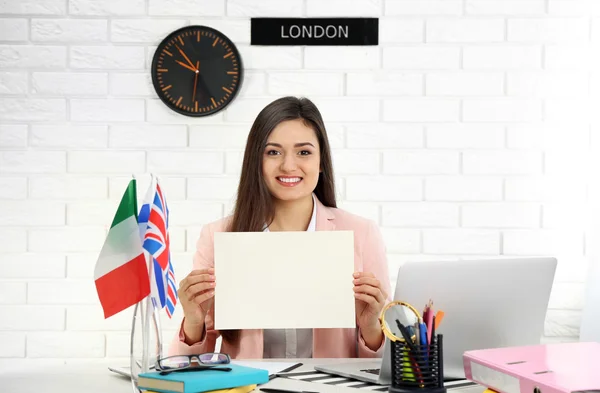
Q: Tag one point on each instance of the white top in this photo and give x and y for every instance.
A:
(290, 343)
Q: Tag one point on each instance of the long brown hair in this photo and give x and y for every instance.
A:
(254, 204)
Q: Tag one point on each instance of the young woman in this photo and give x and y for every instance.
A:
(287, 184)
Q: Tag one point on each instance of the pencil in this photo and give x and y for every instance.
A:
(433, 329)
(439, 316)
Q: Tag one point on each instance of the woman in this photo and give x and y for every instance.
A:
(287, 184)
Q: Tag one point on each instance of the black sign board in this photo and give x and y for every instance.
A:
(314, 31)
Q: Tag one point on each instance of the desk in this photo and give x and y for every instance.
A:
(96, 378)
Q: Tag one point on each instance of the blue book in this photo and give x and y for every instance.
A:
(202, 381)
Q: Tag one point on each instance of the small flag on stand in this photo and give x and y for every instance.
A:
(121, 274)
(154, 232)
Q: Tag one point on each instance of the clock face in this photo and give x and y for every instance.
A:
(196, 71)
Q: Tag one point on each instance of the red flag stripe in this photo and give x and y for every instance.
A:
(115, 289)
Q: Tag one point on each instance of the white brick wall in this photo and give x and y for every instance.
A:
(381, 136)
(13, 188)
(66, 345)
(69, 30)
(21, 109)
(465, 84)
(40, 57)
(569, 57)
(397, 30)
(106, 7)
(469, 131)
(384, 84)
(421, 110)
(465, 30)
(310, 84)
(505, 57)
(421, 57)
(13, 344)
(13, 293)
(32, 266)
(465, 136)
(14, 29)
(360, 8)
(548, 30)
(136, 30)
(68, 83)
(423, 7)
(13, 135)
(316, 57)
(505, 7)
(107, 57)
(13, 82)
(27, 318)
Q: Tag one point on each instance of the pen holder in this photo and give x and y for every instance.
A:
(421, 372)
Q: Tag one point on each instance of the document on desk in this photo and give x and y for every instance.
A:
(277, 280)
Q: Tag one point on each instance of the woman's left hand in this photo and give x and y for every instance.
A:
(370, 299)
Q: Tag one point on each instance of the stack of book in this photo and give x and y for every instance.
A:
(240, 379)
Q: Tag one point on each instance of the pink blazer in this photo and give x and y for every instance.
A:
(369, 256)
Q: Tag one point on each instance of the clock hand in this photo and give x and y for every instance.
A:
(196, 80)
(185, 66)
(203, 86)
(183, 54)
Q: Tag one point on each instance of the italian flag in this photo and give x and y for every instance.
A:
(121, 273)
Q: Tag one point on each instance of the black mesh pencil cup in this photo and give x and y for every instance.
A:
(416, 350)
(417, 368)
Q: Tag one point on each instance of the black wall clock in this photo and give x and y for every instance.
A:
(196, 71)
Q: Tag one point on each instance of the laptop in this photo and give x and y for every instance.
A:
(488, 303)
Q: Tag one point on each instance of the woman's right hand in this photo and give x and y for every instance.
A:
(196, 294)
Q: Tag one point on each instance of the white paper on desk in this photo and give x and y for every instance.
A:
(276, 280)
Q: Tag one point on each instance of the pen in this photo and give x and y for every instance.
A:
(424, 344)
(417, 335)
(282, 373)
(431, 350)
(275, 390)
(407, 336)
(433, 331)
(423, 332)
(411, 349)
(292, 367)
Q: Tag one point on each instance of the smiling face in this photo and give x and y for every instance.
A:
(291, 161)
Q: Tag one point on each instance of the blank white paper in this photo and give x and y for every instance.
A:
(277, 280)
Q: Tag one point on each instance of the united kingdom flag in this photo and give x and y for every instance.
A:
(153, 221)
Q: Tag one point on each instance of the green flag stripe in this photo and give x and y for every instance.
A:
(128, 205)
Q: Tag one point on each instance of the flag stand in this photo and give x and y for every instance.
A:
(143, 310)
(148, 314)
(146, 325)
(146, 310)
(132, 362)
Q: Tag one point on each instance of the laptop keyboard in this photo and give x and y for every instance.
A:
(374, 371)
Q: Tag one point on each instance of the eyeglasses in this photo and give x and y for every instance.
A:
(205, 361)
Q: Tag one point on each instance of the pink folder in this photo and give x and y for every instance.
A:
(551, 368)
